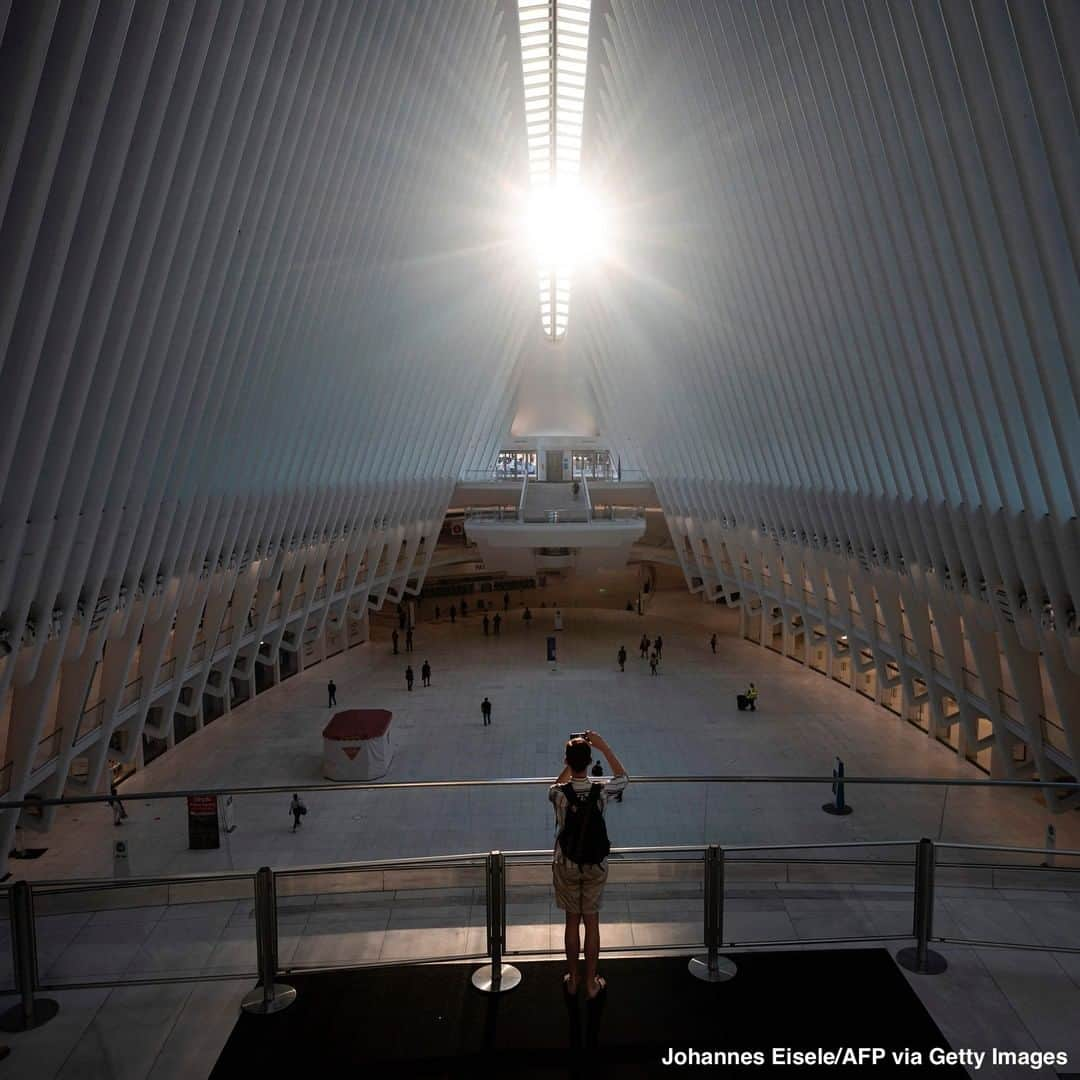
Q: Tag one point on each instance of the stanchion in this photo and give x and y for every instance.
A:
(31, 1012)
(495, 977)
(922, 959)
(268, 996)
(713, 967)
(837, 806)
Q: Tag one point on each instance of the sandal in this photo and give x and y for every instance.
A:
(566, 986)
(601, 984)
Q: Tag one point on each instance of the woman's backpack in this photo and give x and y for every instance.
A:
(583, 838)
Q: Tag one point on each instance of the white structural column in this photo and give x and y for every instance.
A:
(258, 311)
(843, 336)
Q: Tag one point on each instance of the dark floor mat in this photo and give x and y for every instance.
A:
(430, 1021)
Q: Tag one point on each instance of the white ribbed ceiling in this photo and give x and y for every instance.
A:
(261, 305)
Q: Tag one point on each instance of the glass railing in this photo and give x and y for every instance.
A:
(606, 512)
(165, 672)
(91, 719)
(47, 748)
(270, 924)
(491, 513)
(132, 692)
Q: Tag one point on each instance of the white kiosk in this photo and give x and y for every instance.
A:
(356, 745)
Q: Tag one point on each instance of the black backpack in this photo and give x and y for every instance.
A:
(583, 838)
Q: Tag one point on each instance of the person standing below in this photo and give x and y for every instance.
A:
(579, 868)
(437, 613)
(408, 640)
(622, 660)
(401, 617)
(485, 712)
(453, 613)
(659, 647)
(527, 618)
(487, 625)
(331, 692)
(496, 623)
(751, 697)
(425, 673)
(394, 640)
(654, 660)
(506, 601)
(712, 643)
(409, 677)
(298, 810)
(643, 645)
(116, 804)
(464, 607)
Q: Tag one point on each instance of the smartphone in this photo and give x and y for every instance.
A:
(579, 735)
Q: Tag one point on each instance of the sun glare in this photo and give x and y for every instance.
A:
(567, 227)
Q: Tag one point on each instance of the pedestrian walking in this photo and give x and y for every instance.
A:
(654, 660)
(331, 692)
(298, 810)
(506, 601)
(487, 625)
(116, 804)
(485, 712)
(437, 612)
(394, 639)
(409, 677)
(659, 644)
(496, 623)
(453, 613)
(751, 697)
(622, 660)
(401, 617)
(527, 617)
(408, 640)
(712, 644)
(643, 645)
(464, 607)
(425, 673)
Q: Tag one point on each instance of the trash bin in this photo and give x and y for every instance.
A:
(742, 701)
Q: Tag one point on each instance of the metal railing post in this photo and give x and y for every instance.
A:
(495, 977)
(713, 967)
(922, 959)
(268, 996)
(31, 1012)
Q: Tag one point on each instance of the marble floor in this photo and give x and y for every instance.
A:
(683, 722)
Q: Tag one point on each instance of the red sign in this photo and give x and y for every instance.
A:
(351, 751)
(202, 804)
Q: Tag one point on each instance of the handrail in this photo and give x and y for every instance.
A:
(547, 781)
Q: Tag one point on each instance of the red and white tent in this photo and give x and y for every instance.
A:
(356, 745)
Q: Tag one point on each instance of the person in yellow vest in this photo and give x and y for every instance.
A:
(751, 697)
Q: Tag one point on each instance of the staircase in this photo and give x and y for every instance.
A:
(553, 502)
